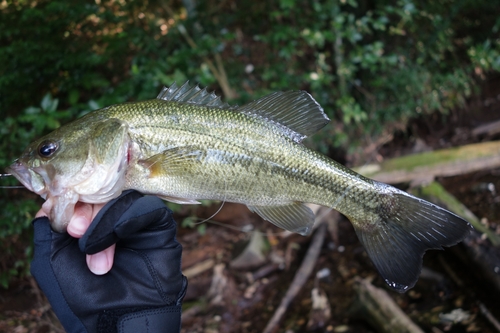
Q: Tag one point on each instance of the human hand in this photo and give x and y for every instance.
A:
(144, 289)
(101, 262)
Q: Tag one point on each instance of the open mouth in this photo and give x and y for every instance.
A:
(21, 173)
(31, 180)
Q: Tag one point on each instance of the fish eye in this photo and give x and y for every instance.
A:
(47, 148)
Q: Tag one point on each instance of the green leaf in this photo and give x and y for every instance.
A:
(47, 102)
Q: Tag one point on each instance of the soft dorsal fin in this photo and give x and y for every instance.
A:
(295, 110)
(191, 95)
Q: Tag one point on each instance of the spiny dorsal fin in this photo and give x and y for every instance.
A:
(295, 110)
(191, 95)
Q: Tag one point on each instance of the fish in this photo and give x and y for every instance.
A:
(187, 145)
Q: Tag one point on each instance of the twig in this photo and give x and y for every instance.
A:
(485, 312)
(199, 268)
(300, 278)
(223, 81)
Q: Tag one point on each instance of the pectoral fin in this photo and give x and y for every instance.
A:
(172, 161)
(295, 217)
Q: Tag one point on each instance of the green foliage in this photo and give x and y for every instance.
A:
(18, 207)
(372, 65)
(193, 222)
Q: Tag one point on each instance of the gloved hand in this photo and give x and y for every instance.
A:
(144, 289)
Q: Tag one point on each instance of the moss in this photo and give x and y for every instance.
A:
(452, 155)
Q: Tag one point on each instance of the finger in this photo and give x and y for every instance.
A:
(80, 220)
(101, 262)
(40, 213)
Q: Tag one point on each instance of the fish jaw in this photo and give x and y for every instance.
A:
(28, 177)
(60, 207)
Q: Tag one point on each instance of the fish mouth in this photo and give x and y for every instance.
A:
(23, 174)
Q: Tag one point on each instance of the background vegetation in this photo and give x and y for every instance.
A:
(372, 65)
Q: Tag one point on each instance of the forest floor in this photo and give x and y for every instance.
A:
(229, 294)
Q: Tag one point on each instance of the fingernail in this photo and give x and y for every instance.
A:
(98, 263)
(77, 226)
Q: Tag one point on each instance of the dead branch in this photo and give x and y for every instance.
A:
(489, 316)
(199, 268)
(300, 278)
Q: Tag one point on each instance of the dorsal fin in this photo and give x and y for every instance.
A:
(295, 110)
(191, 95)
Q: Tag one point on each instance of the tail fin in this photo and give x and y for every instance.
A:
(407, 227)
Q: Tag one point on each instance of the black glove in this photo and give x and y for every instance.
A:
(144, 289)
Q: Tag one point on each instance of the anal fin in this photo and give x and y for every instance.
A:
(295, 217)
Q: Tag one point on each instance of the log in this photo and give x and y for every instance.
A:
(424, 167)
(489, 129)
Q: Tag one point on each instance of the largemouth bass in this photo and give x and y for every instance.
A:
(188, 145)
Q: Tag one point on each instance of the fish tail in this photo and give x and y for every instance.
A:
(403, 229)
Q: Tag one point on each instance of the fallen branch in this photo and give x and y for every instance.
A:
(300, 278)
(424, 167)
(199, 268)
(489, 316)
(382, 312)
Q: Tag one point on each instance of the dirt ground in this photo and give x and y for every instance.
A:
(226, 294)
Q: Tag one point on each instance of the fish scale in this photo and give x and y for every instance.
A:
(186, 145)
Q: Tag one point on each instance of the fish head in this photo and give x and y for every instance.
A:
(81, 161)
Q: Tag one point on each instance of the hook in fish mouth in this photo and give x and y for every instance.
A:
(23, 174)
(10, 186)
